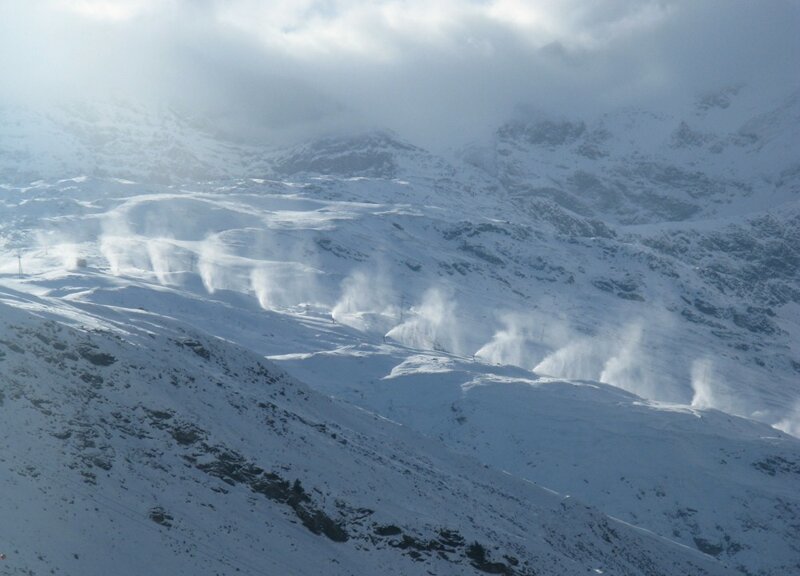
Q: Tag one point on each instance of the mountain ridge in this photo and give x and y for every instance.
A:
(538, 304)
(67, 388)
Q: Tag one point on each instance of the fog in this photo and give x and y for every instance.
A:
(438, 73)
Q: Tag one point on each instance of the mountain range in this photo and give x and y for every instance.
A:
(570, 348)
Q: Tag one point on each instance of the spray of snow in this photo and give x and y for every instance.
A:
(710, 391)
(367, 302)
(580, 359)
(211, 254)
(71, 255)
(432, 324)
(790, 423)
(124, 250)
(111, 252)
(163, 259)
(125, 254)
(136, 255)
(263, 284)
(702, 385)
(620, 357)
(517, 343)
(285, 285)
(628, 366)
(60, 246)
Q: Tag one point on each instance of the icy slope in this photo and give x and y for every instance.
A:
(133, 444)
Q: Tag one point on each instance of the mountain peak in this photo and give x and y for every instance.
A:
(369, 154)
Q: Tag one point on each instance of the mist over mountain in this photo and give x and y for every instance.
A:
(439, 75)
(506, 287)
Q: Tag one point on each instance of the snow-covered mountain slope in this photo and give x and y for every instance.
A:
(117, 139)
(286, 272)
(723, 484)
(569, 296)
(133, 444)
(440, 292)
(726, 157)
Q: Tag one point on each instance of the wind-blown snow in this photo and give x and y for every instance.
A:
(609, 310)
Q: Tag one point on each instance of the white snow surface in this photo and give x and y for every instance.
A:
(607, 311)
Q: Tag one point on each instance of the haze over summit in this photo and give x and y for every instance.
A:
(439, 74)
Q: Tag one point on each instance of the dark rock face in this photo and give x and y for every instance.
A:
(369, 155)
(547, 133)
(95, 357)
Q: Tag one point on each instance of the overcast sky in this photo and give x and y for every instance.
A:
(425, 68)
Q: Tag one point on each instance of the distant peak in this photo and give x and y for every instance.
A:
(373, 153)
(719, 99)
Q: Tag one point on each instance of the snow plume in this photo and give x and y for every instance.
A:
(517, 343)
(282, 285)
(125, 254)
(580, 359)
(70, 254)
(432, 324)
(628, 366)
(791, 422)
(130, 253)
(64, 248)
(110, 249)
(164, 259)
(621, 358)
(368, 302)
(709, 391)
(124, 251)
(209, 264)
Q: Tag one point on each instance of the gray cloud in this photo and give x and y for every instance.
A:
(439, 72)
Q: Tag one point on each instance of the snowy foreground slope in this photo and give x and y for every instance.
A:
(725, 485)
(134, 445)
(608, 308)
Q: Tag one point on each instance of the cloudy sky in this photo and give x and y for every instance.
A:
(425, 68)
